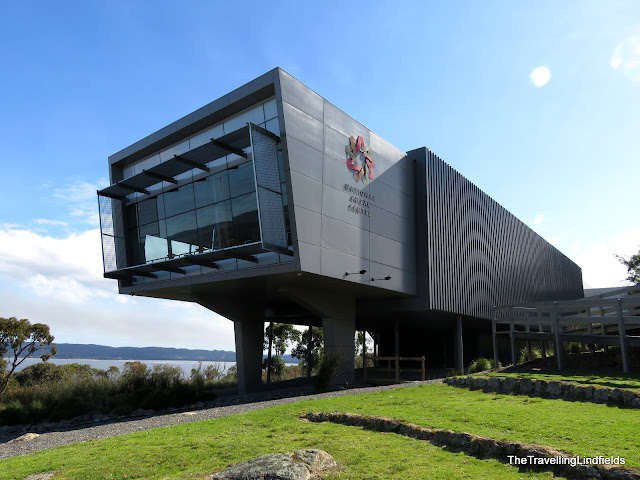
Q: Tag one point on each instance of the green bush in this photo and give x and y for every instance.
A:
(14, 413)
(37, 373)
(575, 348)
(524, 354)
(277, 366)
(480, 364)
(328, 369)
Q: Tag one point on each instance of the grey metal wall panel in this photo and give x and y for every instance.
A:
(308, 223)
(336, 264)
(480, 255)
(300, 96)
(344, 238)
(304, 159)
(302, 126)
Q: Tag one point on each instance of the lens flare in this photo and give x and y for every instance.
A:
(626, 59)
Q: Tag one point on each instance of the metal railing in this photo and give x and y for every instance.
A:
(396, 368)
(594, 320)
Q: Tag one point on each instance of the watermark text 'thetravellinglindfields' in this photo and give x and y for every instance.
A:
(559, 460)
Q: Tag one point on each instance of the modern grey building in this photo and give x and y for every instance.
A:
(271, 204)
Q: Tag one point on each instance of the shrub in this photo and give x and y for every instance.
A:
(134, 375)
(575, 348)
(14, 413)
(165, 376)
(276, 366)
(213, 371)
(479, 365)
(39, 373)
(524, 354)
(328, 369)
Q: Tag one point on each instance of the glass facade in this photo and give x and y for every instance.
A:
(218, 211)
(206, 211)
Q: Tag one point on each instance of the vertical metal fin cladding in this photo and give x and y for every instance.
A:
(481, 255)
(112, 233)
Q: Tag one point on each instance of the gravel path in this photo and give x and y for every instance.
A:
(48, 440)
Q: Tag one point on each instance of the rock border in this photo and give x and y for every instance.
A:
(553, 389)
(479, 447)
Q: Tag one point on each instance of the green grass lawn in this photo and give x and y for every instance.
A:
(629, 381)
(187, 451)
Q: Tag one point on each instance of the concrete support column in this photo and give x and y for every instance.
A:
(459, 346)
(338, 313)
(249, 336)
(339, 337)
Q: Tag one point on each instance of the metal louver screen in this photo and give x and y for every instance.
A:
(112, 234)
(270, 210)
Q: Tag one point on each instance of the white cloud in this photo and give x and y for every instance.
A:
(48, 221)
(540, 76)
(539, 219)
(82, 199)
(59, 281)
(600, 268)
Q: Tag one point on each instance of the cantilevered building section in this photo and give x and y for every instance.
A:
(271, 204)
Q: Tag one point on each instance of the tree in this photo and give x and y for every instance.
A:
(633, 267)
(317, 347)
(283, 335)
(19, 339)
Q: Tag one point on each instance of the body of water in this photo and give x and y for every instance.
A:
(185, 365)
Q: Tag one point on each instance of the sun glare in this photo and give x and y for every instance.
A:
(540, 76)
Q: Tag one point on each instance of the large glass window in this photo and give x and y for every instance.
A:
(179, 201)
(215, 226)
(182, 230)
(215, 212)
(212, 189)
(241, 179)
(245, 219)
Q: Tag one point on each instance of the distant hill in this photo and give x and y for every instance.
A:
(102, 352)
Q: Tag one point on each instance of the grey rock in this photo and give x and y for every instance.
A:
(554, 389)
(298, 465)
(41, 476)
(526, 386)
(540, 387)
(635, 403)
(628, 396)
(601, 395)
(316, 460)
(588, 393)
(508, 385)
(615, 395)
(494, 384)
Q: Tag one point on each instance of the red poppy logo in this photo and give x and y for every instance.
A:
(359, 161)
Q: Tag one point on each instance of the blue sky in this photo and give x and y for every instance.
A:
(82, 80)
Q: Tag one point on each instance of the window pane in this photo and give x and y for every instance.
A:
(214, 226)
(147, 211)
(212, 189)
(241, 179)
(134, 248)
(155, 248)
(131, 215)
(270, 109)
(178, 201)
(182, 228)
(245, 219)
